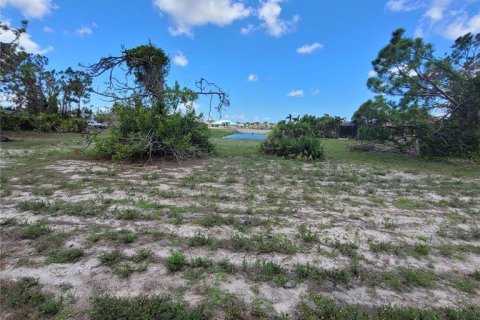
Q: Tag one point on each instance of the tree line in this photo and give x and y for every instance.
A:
(425, 103)
(31, 87)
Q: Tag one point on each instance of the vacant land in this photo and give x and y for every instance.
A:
(237, 235)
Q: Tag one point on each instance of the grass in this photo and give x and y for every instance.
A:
(175, 262)
(36, 230)
(25, 299)
(65, 255)
(319, 307)
(106, 307)
(110, 258)
(384, 222)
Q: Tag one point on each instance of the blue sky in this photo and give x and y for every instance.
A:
(274, 57)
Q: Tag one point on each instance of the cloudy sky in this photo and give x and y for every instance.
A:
(274, 57)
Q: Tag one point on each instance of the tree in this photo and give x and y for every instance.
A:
(325, 126)
(75, 87)
(33, 88)
(433, 99)
(149, 124)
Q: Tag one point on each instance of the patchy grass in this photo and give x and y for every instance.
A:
(240, 235)
(65, 255)
(25, 299)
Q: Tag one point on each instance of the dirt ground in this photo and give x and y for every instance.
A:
(269, 231)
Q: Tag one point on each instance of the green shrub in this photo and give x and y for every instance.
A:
(175, 261)
(293, 140)
(75, 125)
(65, 255)
(146, 133)
(47, 122)
(156, 307)
(17, 121)
(25, 299)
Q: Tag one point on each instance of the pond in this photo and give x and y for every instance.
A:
(254, 136)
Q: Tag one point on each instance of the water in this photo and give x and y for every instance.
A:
(254, 136)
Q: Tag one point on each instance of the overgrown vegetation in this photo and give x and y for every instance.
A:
(37, 91)
(435, 105)
(293, 140)
(25, 299)
(150, 124)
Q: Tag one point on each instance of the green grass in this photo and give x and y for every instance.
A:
(175, 262)
(65, 255)
(36, 230)
(317, 307)
(106, 307)
(110, 258)
(25, 299)
(264, 209)
(337, 151)
(220, 133)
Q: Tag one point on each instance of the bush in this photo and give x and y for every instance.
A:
(454, 140)
(17, 121)
(293, 140)
(146, 133)
(47, 122)
(75, 125)
(175, 261)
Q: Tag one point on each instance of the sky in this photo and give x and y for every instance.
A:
(273, 57)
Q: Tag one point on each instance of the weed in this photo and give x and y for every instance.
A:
(143, 254)
(200, 240)
(175, 262)
(124, 270)
(65, 255)
(307, 234)
(410, 204)
(421, 249)
(346, 248)
(36, 230)
(110, 258)
(127, 214)
(200, 262)
(24, 299)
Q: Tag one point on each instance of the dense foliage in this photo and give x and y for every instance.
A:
(293, 140)
(325, 126)
(435, 101)
(30, 87)
(142, 134)
(148, 121)
(46, 122)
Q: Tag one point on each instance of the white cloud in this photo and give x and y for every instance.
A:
(309, 48)
(269, 12)
(85, 30)
(47, 29)
(252, 77)
(372, 73)
(34, 9)
(189, 106)
(25, 41)
(187, 14)
(403, 5)
(247, 30)
(296, 93)
(315, 91)
(436, 10)
(180, 59)
(449, 18)
(462, 26)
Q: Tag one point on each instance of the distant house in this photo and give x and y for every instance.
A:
(224, 123)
